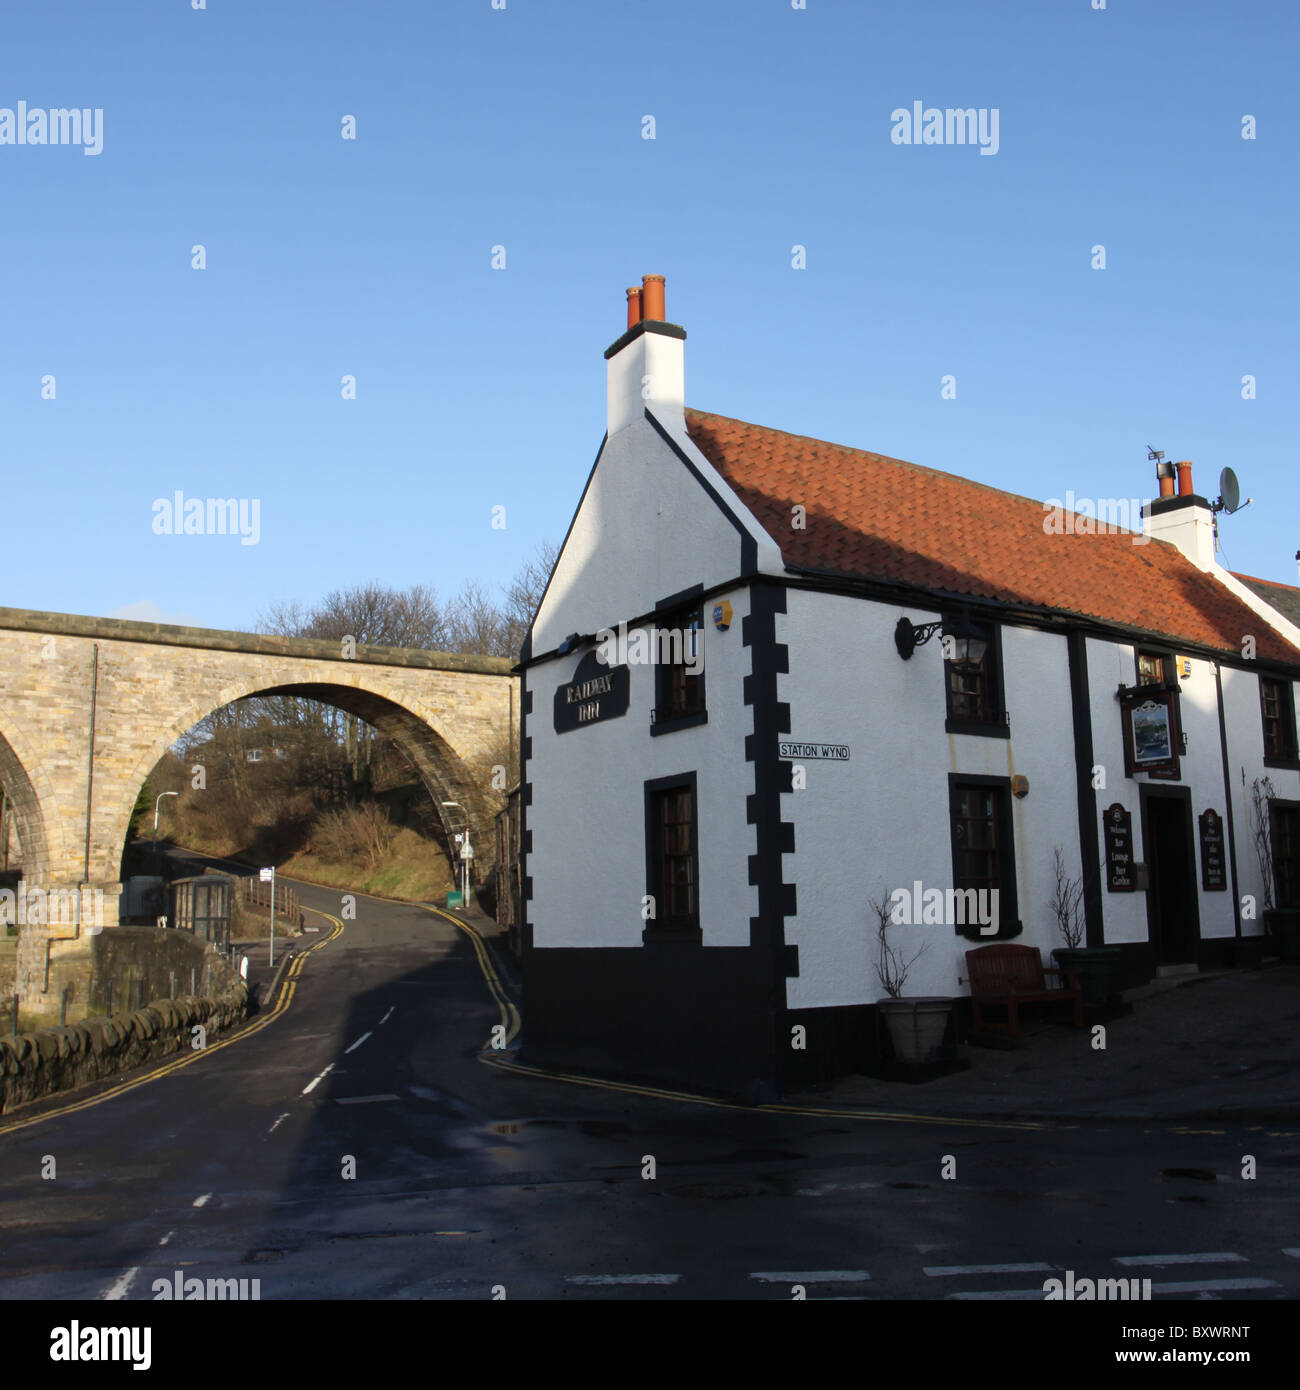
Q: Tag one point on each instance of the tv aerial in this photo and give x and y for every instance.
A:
(1157, 456)
(1229, 500)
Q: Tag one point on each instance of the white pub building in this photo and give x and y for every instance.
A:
(774, 679)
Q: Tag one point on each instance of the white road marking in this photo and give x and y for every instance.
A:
(202, 1201)
(166, 1238)
(119, 1289)
(1019, 1295)
(356, 1044)
(812, 1276)
(1195, 1286)
(278, 1123)
(603, 1279)
(1226, 1257)
(311, 1086)
(365, 1100)
(941, 1271)
(835, 1187)
(388, 1015)
(1294, 1253)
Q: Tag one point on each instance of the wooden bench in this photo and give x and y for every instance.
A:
(1008, 976)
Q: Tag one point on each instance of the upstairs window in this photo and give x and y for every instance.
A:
(678, 639)
(1151, 668)
(1277, 706)
(1157, 668)
(973, 677)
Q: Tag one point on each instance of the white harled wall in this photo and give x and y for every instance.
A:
(645, 531)
(881, 820)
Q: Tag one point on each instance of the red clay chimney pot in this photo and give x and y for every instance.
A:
(1185, 488)
(634, 306)
(652, 297)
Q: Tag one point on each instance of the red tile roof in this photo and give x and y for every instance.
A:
(881, 518)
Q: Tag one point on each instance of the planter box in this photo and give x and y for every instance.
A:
(1099, 971)
(1248, 952)
(1283, 925)
(917, 1026)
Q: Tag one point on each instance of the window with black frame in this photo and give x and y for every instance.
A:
(973, 677)
(672, 858)
(983, 855)
(679, 670)
(1277, 708)
(1284, 831)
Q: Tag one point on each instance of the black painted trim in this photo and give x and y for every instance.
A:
(525, 801)
(1085, 792)
(1227, 801)
(774, 837)
(1160, 506)
(660, 326)
(671, 726)
(1035, 616)
(748, 545)
(526, 650)
(679, 599)
(976, 727)
(728, 586)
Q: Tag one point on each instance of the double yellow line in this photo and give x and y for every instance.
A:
(509, 1014)
(510, 1017)
(288, 984)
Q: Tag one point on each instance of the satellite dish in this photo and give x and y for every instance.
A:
(1229, 491)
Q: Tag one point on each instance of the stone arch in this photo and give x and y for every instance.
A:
(27, 803)
(440, 768)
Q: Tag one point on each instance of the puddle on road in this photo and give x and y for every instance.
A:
(595, 1129)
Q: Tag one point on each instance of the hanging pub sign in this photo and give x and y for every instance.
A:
(1117, 826)
(1214, 874)
(597, 692)
(1149, 731)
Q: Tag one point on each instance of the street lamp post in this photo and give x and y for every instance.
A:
(464, 858)
(156, 804)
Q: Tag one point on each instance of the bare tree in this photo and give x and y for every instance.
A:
(475, 623)
(891, 969)
(524, 594)
(1067, 901)
(1261, 793)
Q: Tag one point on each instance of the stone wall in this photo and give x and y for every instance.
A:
(137, 962)
(43, 1063)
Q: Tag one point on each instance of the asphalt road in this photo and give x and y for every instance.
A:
(355, 1146)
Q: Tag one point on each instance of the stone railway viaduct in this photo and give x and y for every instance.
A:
(89, 705)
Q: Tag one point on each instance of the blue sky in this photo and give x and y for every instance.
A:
(522, 128)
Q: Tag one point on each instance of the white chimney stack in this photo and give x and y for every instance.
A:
(1185, 520)
(647, 365)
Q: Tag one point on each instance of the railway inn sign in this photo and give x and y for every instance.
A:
(595, 693)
